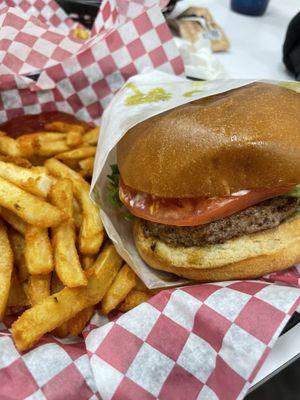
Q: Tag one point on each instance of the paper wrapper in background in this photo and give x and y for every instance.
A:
(201, 342)
(143, 96)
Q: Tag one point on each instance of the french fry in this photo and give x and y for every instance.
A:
(34, 180)
(124, 282)
(17, 296)
(56, 283)
(91, 137)
(38, 251)
(74, 139)
(28, 207)
(9, 147)
(60, 307)
(87, 261)
(37, 144)
(6, 267)
(76, 325)
(77, 154)
(17, 243)
(56, 286)
(38, 288)
(87, 163)
(60, 126)
(67, 264)
(133, 299)
(77, 214)
(86, 166)
(13, 220)
(21, 162)
(2, 133)
(42, 136)
(52, 148)
(91, 233)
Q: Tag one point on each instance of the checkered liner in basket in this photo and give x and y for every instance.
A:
(202, 342)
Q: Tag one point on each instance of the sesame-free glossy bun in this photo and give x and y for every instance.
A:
(242, 139)
(245, 257)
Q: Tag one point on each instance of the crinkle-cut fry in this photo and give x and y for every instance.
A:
(37, 288)
(33, 180)
(77, 324)
(87, 261)
(6, 268)
(91, 136)
(74, 139)
(30, 208)
(91, 233)
(59, 126)
(124, 282)
(133, 299)
(13, 220)
(38, 251)
(17, 296)
(67, 263)
(10, 147)
(60, 307)
(77, 154)
(17, 243)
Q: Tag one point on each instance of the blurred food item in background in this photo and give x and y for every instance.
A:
(291, 47)
(197, 35)
(196, 22)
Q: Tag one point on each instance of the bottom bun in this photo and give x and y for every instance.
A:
(246, 257)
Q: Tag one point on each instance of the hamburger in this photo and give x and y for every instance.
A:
(213, 184)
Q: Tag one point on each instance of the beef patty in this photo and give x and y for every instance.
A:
(265, 215)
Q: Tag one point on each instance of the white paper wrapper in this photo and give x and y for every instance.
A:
(118, 118)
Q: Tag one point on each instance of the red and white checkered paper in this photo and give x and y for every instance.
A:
(200, 342)
(76, 77)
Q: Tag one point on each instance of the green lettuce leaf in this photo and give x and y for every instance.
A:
(294, 192)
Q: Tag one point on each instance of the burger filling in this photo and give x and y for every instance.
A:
(207, 220)
(266, 215)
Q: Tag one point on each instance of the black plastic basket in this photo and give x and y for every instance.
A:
(85, 11)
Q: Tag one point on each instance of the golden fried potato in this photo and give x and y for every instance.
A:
(6, 267)
(28, 207)
(38, 251)
(67, 263)
(60, 307)
(124, 282)
(91, 233)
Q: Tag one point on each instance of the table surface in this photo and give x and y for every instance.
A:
(256, 42)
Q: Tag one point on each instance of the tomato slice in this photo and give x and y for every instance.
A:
(192, 211)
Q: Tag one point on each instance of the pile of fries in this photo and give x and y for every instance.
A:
(57, 267)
